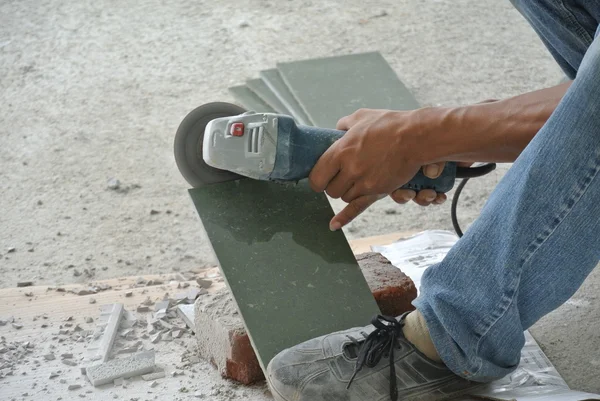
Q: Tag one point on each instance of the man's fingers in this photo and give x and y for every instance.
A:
(339, 185)
(324, 171)
(352, 193)
(403, 196)
(425, 197)
(345, 123)
(433, 170)
(440, 198)
(352, 209)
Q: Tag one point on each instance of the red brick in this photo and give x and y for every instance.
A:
(243, 365)
(393, 290)
(222, 338)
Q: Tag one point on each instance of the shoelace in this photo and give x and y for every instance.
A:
(381, 342)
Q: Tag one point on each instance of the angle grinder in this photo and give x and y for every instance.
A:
(220, 142)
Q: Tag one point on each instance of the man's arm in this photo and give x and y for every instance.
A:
(383, 149)
(490, 132)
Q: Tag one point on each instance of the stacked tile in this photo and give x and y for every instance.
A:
(320, 91)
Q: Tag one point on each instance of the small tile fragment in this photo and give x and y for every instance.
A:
(154, 376)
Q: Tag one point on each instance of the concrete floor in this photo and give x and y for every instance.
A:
(95, 89)
(570, 338)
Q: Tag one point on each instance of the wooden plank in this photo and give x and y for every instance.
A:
(363, 245)
(47, 299)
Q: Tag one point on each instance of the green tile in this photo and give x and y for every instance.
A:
(260, 88)
(333, 87)
(249, 99)
(291, 277)
(274, 81)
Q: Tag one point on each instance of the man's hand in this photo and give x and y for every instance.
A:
(384, 149)
(379, 153)
(425, 197)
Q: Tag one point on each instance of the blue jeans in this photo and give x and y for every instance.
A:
(538, 236)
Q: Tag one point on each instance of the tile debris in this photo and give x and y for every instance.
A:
(115, 347)
(115, 369)
(154, 376)
(204, 283)
(110, 317)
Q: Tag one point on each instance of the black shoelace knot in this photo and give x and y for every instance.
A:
(381, 342)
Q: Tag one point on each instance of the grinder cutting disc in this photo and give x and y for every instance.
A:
(188, 144)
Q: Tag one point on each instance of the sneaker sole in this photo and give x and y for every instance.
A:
(278, 397)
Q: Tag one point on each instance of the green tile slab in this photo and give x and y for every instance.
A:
(249, 99)
(260, 88)
(333, 87)
(291, 277)
(274, 81)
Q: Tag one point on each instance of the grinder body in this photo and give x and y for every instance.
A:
(268, 146)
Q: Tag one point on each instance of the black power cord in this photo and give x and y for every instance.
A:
(455, 204)
(482, 170)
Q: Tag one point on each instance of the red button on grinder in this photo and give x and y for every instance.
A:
(237, 129)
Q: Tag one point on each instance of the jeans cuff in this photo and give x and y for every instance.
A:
(451, 354)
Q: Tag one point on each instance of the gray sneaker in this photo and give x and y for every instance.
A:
(357, 364)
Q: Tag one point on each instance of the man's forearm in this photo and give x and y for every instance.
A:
(493, 131)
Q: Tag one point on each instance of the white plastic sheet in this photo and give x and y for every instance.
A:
(415, 254)
(535, 379)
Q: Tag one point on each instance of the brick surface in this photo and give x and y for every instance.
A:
(393, 290)
(222, 338)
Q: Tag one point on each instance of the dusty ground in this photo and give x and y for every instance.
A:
(94, 90)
